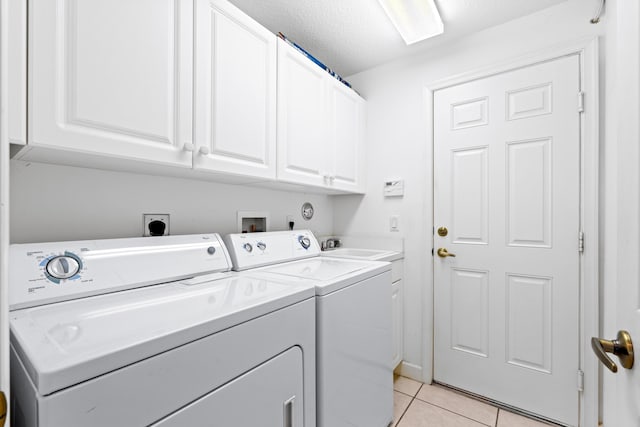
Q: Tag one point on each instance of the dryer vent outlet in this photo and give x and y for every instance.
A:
(155, 224)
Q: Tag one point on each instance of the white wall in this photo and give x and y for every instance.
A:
(54, 203)
(396, 142)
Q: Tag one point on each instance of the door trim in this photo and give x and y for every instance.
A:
(589, 321)
(4, 200)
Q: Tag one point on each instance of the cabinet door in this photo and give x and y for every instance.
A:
(346, 127)
(269, 396)
(17, 71)
(397, 314)
(235, 92)
(303, 145)
(112, 77)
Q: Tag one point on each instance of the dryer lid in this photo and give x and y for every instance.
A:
(70, 342)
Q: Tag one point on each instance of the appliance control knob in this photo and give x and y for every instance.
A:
(262, 246)
(211, 250)
(304, 241)
(63, 267)
(247, 247)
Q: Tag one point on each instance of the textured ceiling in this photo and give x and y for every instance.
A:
(350, 36)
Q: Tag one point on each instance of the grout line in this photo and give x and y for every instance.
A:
(407, 394)
(498, 417)
(443, 408)
(456, 413)
(397, 423)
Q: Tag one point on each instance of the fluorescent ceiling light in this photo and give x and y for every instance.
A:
(415, 20)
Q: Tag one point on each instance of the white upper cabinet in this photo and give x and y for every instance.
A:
(346, 133)
(235, 92)
(112, 77)
(303, 147)
(320, 126)
(140, 85)
(17, 71)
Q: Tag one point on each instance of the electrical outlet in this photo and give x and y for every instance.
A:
(155, 225)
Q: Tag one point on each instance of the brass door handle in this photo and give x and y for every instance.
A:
(3, 408)
(621, 347)
(443, 253)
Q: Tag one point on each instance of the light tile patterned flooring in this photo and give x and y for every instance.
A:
(423, 405)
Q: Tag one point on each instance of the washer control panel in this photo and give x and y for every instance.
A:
(42, 273)
(251, 250)
(62, 267)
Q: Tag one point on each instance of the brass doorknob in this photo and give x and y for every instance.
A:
(443, 253)
(3, 408)
(621, 347)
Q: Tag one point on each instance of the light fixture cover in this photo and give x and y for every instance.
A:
(415, 20)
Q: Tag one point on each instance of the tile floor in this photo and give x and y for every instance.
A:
(423, 405)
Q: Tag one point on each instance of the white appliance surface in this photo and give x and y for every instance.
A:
(108, 265)
(353, 323)
(180, 333)
(364, 254)
(329, 274)
(251, 250)
(355, 376)
(66, 343)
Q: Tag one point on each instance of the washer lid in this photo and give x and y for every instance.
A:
(329, 274)
(365, 254)
(66, 343)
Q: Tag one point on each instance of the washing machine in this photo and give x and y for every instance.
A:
(353, 321)
(156, 332)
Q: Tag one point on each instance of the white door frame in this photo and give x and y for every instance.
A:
(587, 50)
(4, 202)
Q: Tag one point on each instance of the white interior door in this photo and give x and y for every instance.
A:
(507, 188)
(621, 290)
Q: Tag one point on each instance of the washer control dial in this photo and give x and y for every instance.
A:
(247, 247)
(304, 241)
(63, 267)
(261, 245)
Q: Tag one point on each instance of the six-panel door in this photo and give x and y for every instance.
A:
(507, 186)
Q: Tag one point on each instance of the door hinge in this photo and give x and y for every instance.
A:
(581, 242)
(580, 102)
(580, 380)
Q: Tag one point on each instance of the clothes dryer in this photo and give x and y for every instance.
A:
(156, 332)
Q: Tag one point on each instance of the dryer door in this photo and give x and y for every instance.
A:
(269, 395)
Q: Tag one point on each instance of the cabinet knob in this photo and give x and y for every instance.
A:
(187, 146)
(204, 150)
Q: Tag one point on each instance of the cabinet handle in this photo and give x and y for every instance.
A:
(325, 177)
(204, 150)
(187, 146)
(288, 412)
